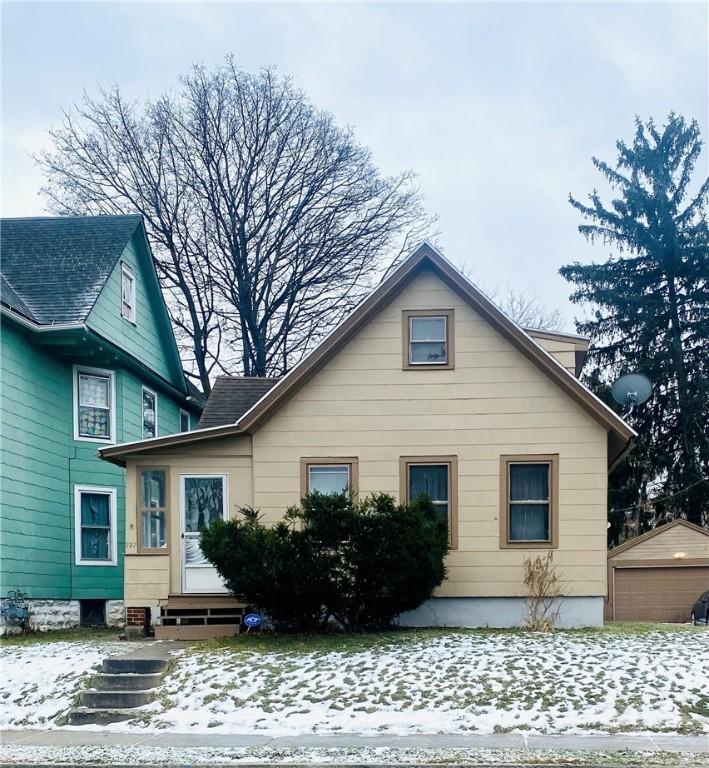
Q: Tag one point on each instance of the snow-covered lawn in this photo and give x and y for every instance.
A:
(399, 683)
(447, 682)
(39, 680)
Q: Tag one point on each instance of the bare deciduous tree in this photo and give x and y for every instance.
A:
(526, 309)
(268, 221)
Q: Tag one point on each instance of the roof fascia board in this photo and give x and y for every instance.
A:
(157, 292)
(40, 327)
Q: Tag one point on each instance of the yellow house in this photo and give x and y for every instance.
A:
(427, 385)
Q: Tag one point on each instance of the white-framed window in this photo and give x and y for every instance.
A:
(127, 293)
(95, 539)
(94, 404)
(184, 421)
(329, 478)
(149, 412)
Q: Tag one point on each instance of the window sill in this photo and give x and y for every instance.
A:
(97, 563)
(528, 545)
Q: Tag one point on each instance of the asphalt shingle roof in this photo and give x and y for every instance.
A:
(53, 269)
(231, 397)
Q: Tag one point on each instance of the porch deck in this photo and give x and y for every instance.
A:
(199, 617)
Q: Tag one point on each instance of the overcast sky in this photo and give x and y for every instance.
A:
(497, 106)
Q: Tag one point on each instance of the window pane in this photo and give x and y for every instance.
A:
(94, 543)
(442, 512)
(428, 329)
(153, 530)
(529, 522)
(96, 509)
(93, 390)
(153, 488)
(329, 479)
(204, 502)
(148, 415)
(529, 482)
(428, 352)
(431, 479)
(93, 422)
(184, 422)
(127, 289)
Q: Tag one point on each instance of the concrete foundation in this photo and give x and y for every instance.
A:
(115, 613)
(48, 615)
(499, 612)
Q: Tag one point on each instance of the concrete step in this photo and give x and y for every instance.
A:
(125, 682)
(86, 716)
(115, 699)
(134, 666)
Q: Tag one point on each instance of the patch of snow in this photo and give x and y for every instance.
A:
(201, 756)
(453, 682)
(40, 680)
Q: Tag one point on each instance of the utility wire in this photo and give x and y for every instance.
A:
(664, 498)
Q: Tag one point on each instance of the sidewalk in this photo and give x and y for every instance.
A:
(64, 737)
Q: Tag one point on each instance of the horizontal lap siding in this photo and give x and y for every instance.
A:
(664, 545)
(35, 505)
(494, 402)
(145, 339)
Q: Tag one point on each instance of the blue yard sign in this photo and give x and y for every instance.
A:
(252, 620)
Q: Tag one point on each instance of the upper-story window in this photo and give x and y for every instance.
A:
(127, 293)
(184, 420)
(149, 400)
(94, 404)
(428, 339)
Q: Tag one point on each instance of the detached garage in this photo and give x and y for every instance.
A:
(659, 575)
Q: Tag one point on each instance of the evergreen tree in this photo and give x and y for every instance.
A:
(650, 313)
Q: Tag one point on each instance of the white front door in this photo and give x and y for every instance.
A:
(203, 499)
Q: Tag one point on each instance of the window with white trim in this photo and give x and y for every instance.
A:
(95, 521)
(149, 413)
(94, 404)
(329, 478)
(184, 420)
(127, 293)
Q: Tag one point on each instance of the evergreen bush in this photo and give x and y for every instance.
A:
(332, 559)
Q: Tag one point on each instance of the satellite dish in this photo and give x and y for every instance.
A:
(631, 390)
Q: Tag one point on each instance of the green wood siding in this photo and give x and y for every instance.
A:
(148, 340)
(42, 463)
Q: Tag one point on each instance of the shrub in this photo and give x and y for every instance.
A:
(543, 593)
(360, 563)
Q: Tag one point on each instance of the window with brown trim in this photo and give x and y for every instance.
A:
(329, 475)
(428, 336)
(437, 477)
(153, 515)
(529, 501)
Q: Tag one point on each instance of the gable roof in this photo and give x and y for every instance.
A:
(423, 257)
(231, 397)
(630, 543)
(54, 268)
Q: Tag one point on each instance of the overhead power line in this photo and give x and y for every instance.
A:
(664, 498)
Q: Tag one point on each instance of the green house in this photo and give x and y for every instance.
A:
(88, 359)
